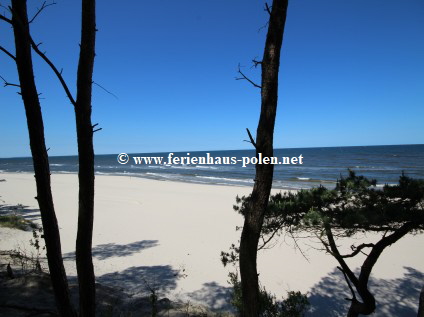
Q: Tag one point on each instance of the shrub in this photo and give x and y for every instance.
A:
(295, 305)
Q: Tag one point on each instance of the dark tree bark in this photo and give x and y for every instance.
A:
(86, 278)
(40, 158)
(367, 304)
(421, 304)
(254, 216)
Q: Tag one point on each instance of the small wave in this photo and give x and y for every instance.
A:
(382, 185)
(206, 167)
(304, 179)
(166, 176)
(250, 181)
(107, 166)
(57, 164)
(183, 167)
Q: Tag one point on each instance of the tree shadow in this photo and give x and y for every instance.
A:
(110, 250)
(141, 280)
(27, 213)
(395, 297)
(216, 297)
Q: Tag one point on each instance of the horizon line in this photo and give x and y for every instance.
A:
(282, 148)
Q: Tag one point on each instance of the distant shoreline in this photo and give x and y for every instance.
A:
(320, 166)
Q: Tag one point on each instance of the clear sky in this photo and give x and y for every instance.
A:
(352, 73)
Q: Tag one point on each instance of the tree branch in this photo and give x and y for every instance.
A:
(2, 17)
(265, 242)
(339, 258)
(256, 62)
(267, 8)
(7, 53)
(110, 93)
(251, 138)
(55, 70)
(244, 77)
(41, 9)
(348, 284)
(95, 125)
(47, 60)
(6, 83)
(297, 245)
(263, 27)
(358, 249)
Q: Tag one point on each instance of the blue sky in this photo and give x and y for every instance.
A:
(352, 73)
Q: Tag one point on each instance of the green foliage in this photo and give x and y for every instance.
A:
(15, 222)
(230, 257)
(295, 305)
(354, 205)
(11, 218)
(37, 234)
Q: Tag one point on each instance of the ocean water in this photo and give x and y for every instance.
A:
(320, 166)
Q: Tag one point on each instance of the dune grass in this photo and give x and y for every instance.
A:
(16, 222)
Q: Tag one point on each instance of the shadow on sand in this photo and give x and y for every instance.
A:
(140, 279)
(396, 297)
(110, 250)
(216, 297)
(20, 210)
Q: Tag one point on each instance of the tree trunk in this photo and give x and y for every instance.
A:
(421, 304)
(367, 306)
(264, 173)
(40, 158)
(86, 278)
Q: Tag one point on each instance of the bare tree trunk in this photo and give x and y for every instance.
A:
(421, 304)
(40, 158)
(86, 278)
(254, 216)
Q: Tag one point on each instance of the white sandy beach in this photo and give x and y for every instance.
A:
(171, 234)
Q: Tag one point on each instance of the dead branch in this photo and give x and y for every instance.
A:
(6, 83)
(47, 60)
(110, 93)
(244, 77)
(7, 53)
(2, 17)
(251, 138)
(297, 245)
(267, 8)
(95, 125)
(44, 5)
(263, 27)
(55, 70)
(256, 63)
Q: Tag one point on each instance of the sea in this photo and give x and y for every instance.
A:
(321, 166)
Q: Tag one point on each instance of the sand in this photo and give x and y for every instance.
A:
(169, 235)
